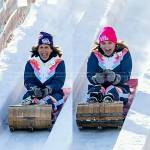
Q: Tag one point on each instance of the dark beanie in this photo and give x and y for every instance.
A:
(45, 38)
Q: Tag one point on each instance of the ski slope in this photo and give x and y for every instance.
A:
(132, 28)
(75, 25)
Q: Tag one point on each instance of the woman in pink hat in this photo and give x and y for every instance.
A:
(109, 68)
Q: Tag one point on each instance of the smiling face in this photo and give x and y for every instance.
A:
(108, 47)
(44, 51)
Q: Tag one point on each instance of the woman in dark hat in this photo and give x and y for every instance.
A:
(44, 74)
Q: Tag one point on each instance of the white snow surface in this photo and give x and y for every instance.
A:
(75, 25)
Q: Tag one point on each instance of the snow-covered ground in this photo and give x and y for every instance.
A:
(12, 63)
(75, 25)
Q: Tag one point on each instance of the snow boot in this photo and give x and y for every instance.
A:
(95, 97)
(108, 98)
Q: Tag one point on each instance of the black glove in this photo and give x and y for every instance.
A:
(37, 91)
(99, 78)
(112, 77)
(47, 91)
(117, 80)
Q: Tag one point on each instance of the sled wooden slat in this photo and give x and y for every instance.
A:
(99, 114)
(30, 117)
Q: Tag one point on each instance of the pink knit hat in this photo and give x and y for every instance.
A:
(107, 34)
